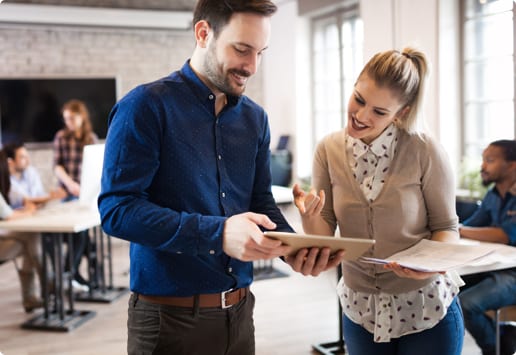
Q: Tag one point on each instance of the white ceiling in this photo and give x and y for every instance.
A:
(176, 5)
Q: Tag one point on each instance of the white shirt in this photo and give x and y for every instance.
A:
(28, 185)
(5, 209)
(370, 162)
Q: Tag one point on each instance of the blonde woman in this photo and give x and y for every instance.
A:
(381, 179)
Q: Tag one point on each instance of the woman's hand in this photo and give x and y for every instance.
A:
(308, 204)
(410, 273)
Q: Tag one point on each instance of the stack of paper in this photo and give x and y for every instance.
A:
(432, 256)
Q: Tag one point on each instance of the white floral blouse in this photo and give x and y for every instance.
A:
(384, 315)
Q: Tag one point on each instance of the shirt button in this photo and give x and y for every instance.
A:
(223, 194)
(178, 252)
(230, 269)
(220, 157)
(210, 97)
(212, 252)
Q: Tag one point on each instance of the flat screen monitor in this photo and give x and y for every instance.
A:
(30, 109)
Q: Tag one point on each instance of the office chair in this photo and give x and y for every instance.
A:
(281, 163)
(498, 324)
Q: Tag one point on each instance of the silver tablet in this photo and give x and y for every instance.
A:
(354, 247)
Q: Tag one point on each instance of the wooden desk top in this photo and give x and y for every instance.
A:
(67, 217)
(504, 257)
(282, 194)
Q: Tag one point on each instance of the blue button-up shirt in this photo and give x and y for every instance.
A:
(173, 173)
(496, 211)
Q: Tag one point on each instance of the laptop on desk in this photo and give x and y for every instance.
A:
(91, 173)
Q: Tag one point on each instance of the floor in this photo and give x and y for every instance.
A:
(292, 313)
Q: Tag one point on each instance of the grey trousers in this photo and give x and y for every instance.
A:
(161, 329)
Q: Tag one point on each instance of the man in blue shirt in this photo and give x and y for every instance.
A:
(186, 179)
(495, 222)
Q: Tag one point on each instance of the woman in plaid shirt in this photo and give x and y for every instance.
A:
(69, 143)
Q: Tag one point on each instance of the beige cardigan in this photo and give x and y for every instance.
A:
(418, 197)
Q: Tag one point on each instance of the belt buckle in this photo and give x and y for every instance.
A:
(223, 304)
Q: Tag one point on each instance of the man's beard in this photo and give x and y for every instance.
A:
(487, 180)
(486, 183)
(215, 75)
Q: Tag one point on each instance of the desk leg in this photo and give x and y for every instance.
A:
(70, 275)
(46, 279)
(334, 347)
(110, 260)
(101, 270)
(59, 273)
(57, 319)
(100, 292)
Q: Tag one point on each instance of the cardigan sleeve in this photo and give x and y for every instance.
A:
(321, 181)
(438, 187)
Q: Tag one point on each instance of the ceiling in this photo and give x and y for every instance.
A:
(171, 5)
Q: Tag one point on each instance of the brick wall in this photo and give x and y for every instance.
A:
(133, 56)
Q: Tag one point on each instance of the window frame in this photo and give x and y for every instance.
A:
(465, 146)
(338, 17)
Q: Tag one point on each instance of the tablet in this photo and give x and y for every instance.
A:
(354, 247)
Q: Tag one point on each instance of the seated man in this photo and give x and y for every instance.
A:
(26, 183)
(26, 187)
(495, 222)
(28, 243)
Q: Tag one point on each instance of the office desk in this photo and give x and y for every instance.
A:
(282, 194)
(57, 222)
(504, 257)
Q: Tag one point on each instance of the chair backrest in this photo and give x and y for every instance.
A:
(281, 167)
(465, 208)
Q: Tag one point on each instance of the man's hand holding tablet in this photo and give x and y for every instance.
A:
(312, 254)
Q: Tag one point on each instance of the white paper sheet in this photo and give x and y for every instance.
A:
(432, 256)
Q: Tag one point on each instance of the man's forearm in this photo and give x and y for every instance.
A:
(485, 234)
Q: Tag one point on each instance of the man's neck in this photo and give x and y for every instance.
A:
(505, 186)
(17, 174)
(220, 98)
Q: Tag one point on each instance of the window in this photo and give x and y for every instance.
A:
(337, 58)
(488, 70)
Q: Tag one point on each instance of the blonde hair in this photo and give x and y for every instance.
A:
(404, 73)
(79, 108)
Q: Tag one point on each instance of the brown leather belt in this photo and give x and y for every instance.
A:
(212, 300)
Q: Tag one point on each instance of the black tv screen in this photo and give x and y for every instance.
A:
(30, 109)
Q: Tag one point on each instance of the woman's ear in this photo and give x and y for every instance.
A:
(402, 113)
(202, 31)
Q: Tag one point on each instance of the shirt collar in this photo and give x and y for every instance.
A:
(512, 190)
(200, 89)
(378, 146)
(23, 176)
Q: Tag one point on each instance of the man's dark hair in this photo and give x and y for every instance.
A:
(11, 148)
(218, 12)
(509, 148)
